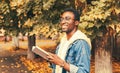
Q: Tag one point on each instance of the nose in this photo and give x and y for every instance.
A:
(63, 20)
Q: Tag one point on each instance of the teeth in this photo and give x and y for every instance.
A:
(65, 25)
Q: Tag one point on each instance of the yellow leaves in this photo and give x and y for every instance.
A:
(48, 4)
(19, 11)
(86, 24)
(117, 11)
(117, 29)
(94, 2)
(4, 9)
(45, 31)
(13, 3)
(83, 25)
(90, 25)
(17, 3)
(100, 16)
(99, 10)
(28, 23)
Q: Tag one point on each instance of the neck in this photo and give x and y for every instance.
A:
(70, 34)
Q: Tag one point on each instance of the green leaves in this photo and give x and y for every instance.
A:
(26, 14)
(100, 13)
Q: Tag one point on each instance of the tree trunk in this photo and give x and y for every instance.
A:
(5, 40)
(15, 41)
(31, 42)
(103, 52)
(116, 51)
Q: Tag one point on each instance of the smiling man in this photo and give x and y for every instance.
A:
(73, 52)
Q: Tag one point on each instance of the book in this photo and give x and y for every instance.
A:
(40, 52)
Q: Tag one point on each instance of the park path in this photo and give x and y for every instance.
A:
(12, 64)
(7, 49)
(10, 60)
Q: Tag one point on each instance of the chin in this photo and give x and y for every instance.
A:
(64, 30)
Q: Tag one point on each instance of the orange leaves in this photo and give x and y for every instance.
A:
(40, 65)
(37, 66)
(116, 66)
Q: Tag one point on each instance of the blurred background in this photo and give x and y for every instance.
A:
(25, 23)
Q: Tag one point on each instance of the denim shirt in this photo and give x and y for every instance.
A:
(78, 56)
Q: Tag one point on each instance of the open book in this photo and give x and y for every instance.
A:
(40, 52)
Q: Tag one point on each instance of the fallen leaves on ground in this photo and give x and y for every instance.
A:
(38, 65)
(116, 65)
(12, 64)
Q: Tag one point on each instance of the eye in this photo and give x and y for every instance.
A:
(61, 19)
(67, 18)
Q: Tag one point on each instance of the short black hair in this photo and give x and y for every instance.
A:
(75, 12)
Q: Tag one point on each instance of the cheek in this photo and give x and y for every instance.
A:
(71, 25)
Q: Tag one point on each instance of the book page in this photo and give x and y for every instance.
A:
(40, 52)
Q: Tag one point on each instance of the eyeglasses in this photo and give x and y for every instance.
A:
(66, 19)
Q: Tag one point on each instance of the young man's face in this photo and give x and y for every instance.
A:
(68, 22)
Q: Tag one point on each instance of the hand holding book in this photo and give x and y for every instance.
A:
(40, 52)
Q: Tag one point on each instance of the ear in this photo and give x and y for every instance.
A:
(76, 23)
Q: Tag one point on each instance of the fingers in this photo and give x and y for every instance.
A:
(50, 57)
(51, 54)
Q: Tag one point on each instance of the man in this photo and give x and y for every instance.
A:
(73, 52)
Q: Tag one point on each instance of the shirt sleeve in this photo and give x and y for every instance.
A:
(82, 58)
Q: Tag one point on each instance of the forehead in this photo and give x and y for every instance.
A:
(67, 14)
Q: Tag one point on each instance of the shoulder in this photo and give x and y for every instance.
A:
(80, 44)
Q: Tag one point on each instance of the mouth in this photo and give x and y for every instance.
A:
(64, 25)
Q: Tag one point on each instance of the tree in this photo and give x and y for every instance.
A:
(96, 18)
(8, 19)
(13, 15)
(96, 23)
(21, 16)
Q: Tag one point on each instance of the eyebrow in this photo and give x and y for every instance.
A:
(67, 16)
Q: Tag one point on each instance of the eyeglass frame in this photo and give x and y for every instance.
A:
(67, 18)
